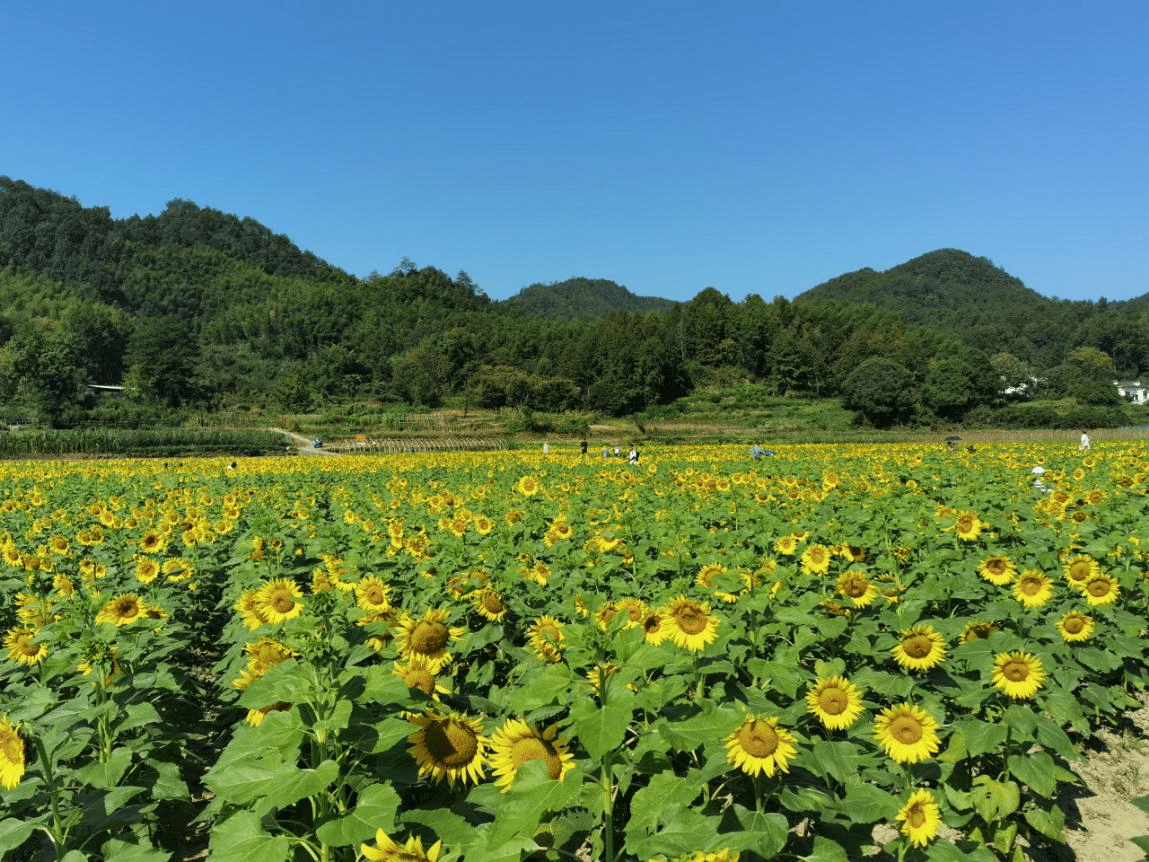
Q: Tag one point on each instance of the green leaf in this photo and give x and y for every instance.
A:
(122, 851)
(139, 715)
(867, 803)
(685, 835)
(981, 737)
(661, 800)
(241, 838)
(602, 728)
(826, 850)
(710, 725)
(1021, 721)
(839, 760)
(1049, 822)
(1036, 770)
(533, 795)
(14, 832)
(1141, 802)
(105, 776)
(994, 799)
(270, 786)
(374, 809)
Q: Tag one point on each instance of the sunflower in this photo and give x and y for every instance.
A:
(11, 754)
(836, 702)
(977, 631)
(21, 648)
(1101, 590)
(968, 526)
(450, 747)
(857, 588)
(247, 608)
(122, 610)
(1075, 626)
(428, 636)
(708, 574)
(490, 605)
(654, 627)
(417, 672)
(146, 570)
(386, 850)
(920, 817)
(759, 745)
(1018, 674)
(528, 486)
(1032, 589)
(1080, 568)
(546, 638)
(691, 624)
(907, 733)
(64, 586)
(516, 742)
(787, 545)
(920, 648)
(997, 570)
(279, 600)
(816, 560)
(371, 594)
(153, 542)
(483, 525)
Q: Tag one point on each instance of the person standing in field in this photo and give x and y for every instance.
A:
(1084, 445)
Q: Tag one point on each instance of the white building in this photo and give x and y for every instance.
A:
(1132, 391)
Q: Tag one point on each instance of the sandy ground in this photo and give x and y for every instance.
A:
(1101, 819)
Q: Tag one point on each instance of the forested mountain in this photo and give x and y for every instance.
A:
(583, 299)
(195, 307)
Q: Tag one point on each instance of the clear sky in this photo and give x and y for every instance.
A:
(755, 147)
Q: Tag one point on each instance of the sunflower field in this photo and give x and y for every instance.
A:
(889, 651)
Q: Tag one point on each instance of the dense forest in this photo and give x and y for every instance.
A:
(198, 308)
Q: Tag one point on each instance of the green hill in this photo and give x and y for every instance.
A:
(582, 299)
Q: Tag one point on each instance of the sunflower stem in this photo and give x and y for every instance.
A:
(608, 806)
(58, 833)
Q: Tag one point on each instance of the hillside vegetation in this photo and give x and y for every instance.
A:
(198, 309)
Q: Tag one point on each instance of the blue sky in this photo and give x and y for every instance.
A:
(755, 147)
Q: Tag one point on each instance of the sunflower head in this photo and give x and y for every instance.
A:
(836, 702)
(907, 733)
(760, 745)
(450, 747)
(920, 817)
(1018, 674)
(516, 743)
(1075, 627)
(920, 648)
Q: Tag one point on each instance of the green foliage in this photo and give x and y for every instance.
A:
(198, 306)
(582, 299)
(881, 390)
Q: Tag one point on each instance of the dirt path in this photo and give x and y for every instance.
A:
(1101, 820)
(303, 445)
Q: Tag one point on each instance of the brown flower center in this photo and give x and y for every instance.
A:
(429, 637)
(833, 700)
(1098, 588)
(1015, 670)
(758, 739)
(535, 748)
(906, 729)
(690, 619)
(1074, 624)
(451, 743)
(918, 646)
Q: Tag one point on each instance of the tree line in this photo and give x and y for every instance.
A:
(195, 307)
